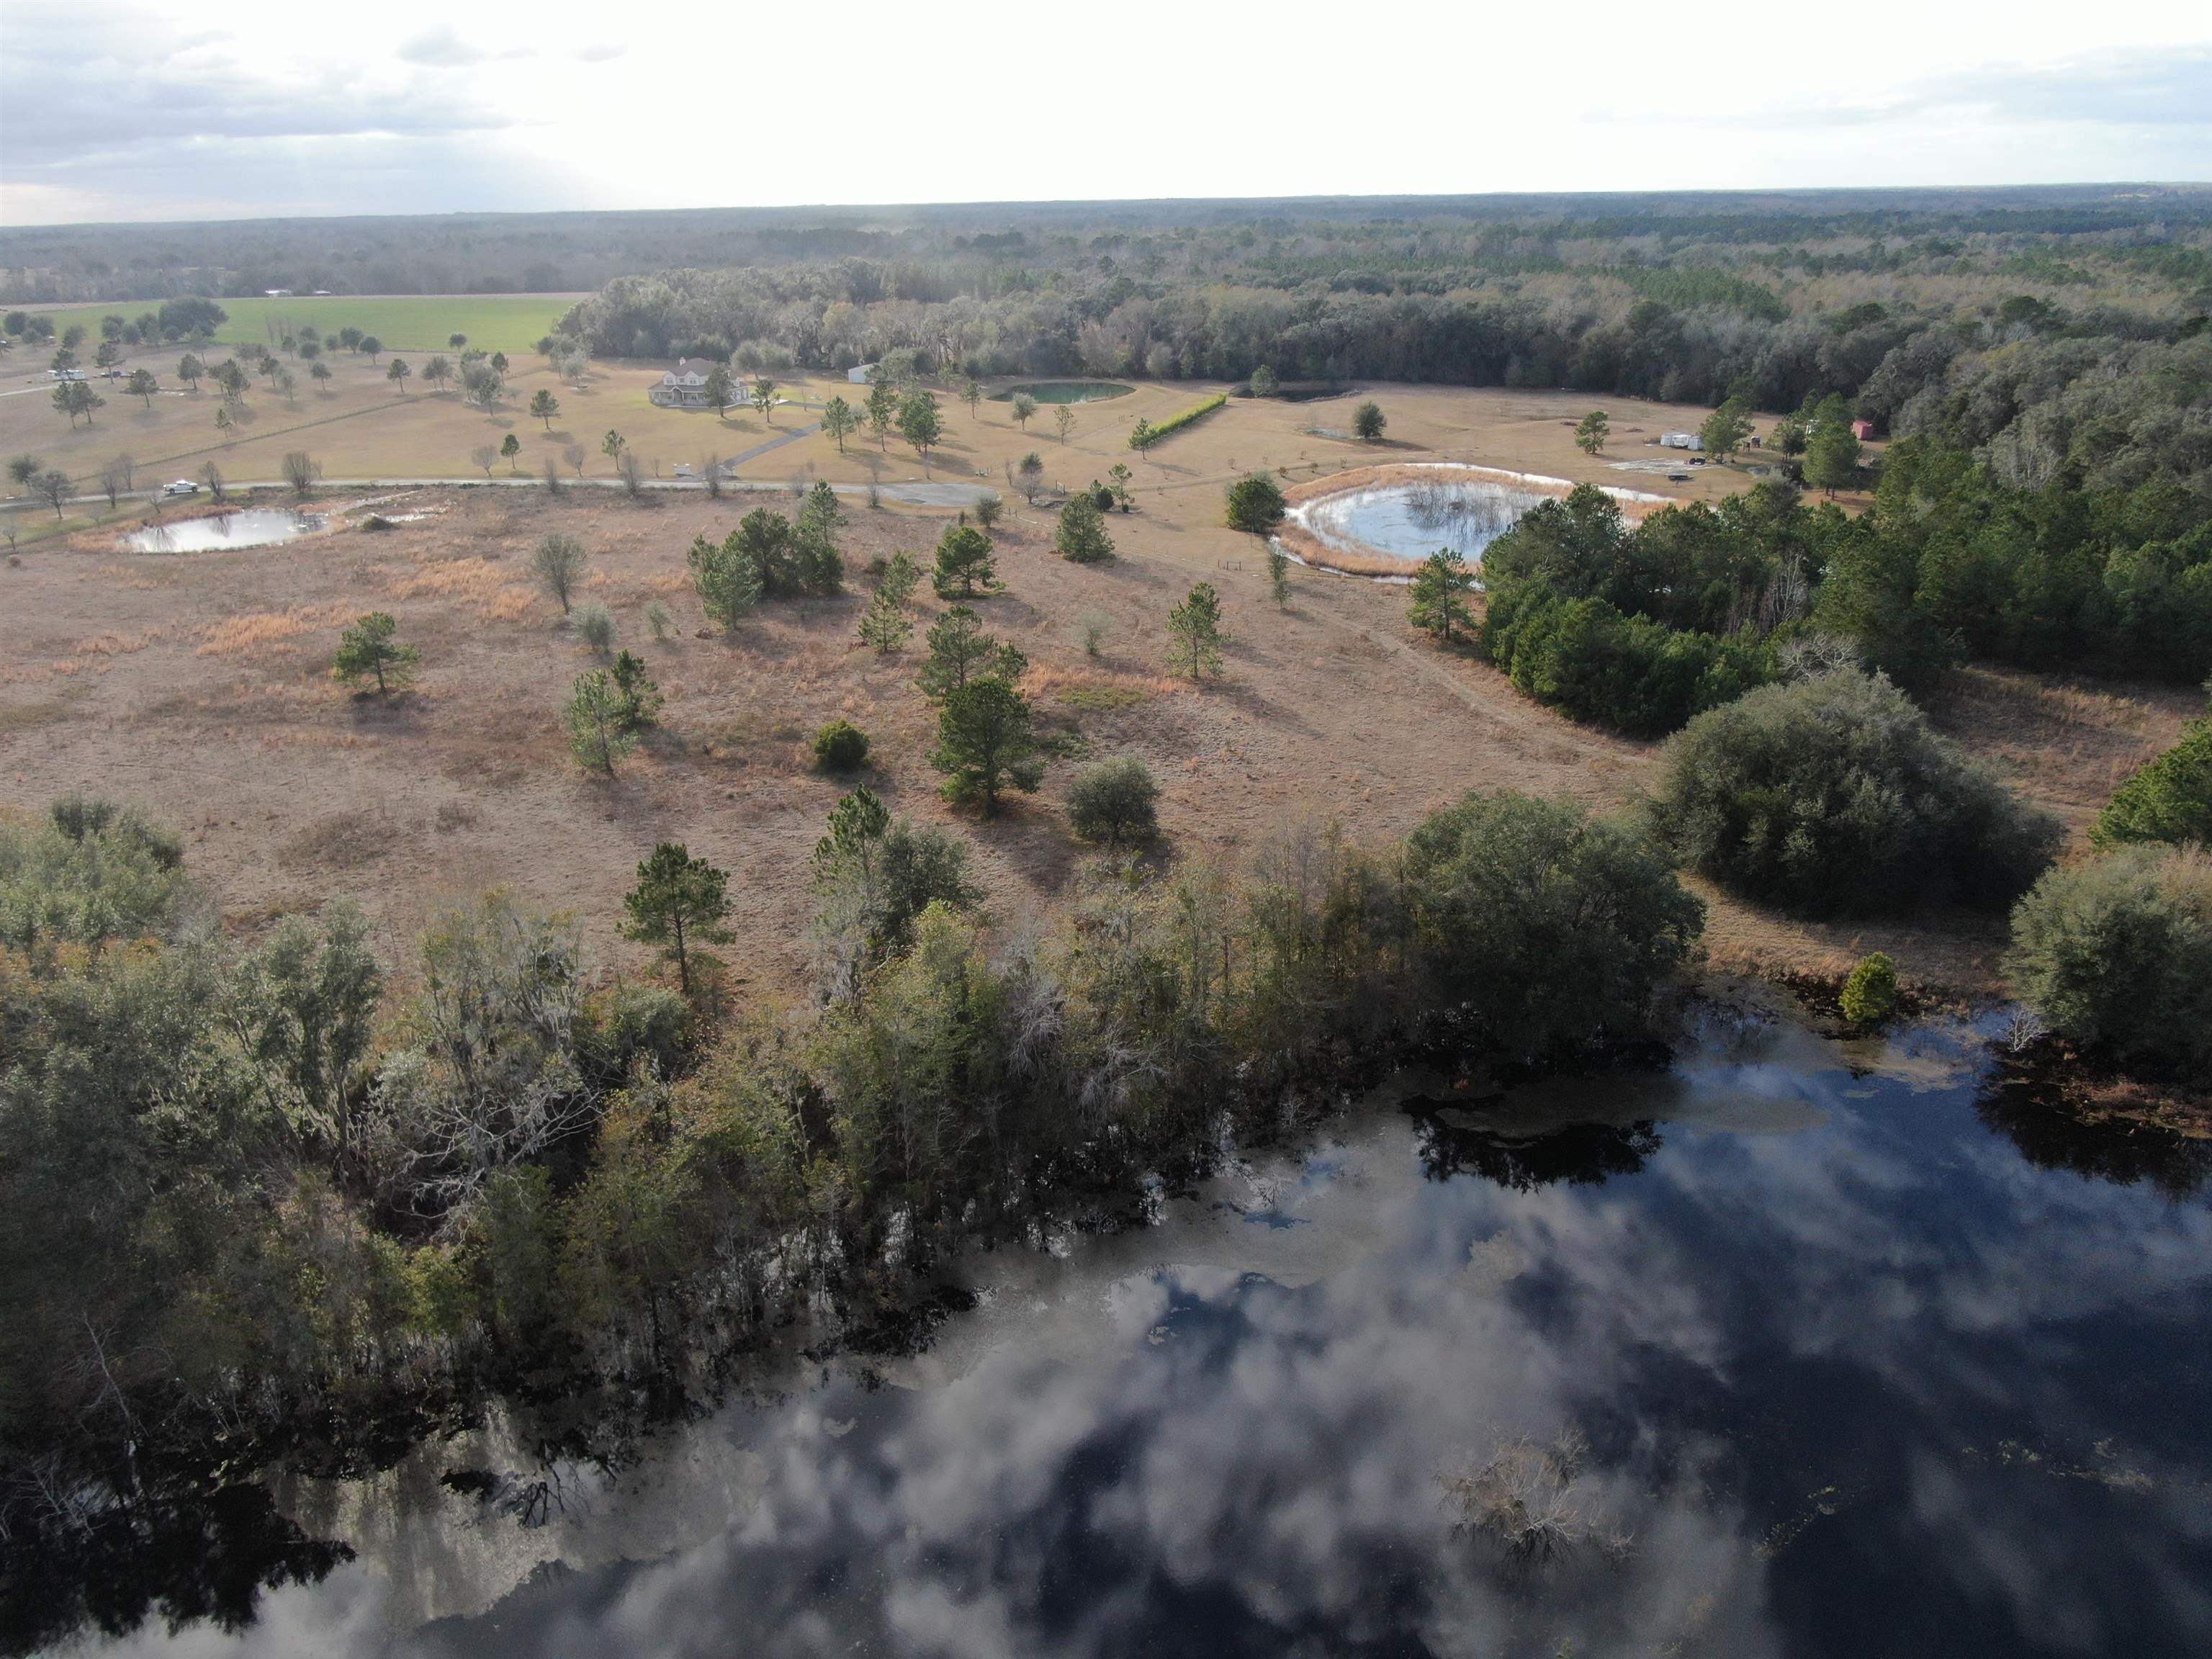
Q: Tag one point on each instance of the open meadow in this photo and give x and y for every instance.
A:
(199, 686)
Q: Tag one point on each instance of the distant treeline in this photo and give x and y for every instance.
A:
(1400, 242)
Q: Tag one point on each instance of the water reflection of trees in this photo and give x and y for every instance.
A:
(202, 1558)
(1579, 1154)
(1467, 511)
(2051, 1137)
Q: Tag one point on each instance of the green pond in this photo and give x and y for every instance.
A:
(1065, 392)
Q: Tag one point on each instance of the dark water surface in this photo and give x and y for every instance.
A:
(1066, 392)
(1866, 1363)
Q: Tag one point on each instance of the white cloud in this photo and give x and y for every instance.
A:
(113, 111)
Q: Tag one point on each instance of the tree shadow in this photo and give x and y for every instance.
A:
(400, 712)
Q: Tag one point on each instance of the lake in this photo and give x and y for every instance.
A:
(252, 527)
(1798, 1347)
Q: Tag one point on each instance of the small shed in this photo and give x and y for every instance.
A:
(1862, 430)
(859, 373)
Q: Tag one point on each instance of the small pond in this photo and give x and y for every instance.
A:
(1809, 1350)
(252, 527)
(1411, 521)
(1066, 392)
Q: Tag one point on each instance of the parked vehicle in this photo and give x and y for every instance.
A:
(181, 487)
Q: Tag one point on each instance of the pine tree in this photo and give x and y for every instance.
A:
(1440, 595)
(1082, 538)
(370, 649)
(965, 560)
(594, 716)
(960, 652)
(679, 902)
(1195, 633)
(985, 745)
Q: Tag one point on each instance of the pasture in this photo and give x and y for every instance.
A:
(513, 323)
(358, 425)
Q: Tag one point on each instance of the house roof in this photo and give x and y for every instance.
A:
(693, 367)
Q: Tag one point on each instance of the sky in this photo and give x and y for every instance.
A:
(127, 112)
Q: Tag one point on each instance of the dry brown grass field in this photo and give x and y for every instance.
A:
(199, 686)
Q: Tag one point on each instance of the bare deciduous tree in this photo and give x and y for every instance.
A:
(115, 479)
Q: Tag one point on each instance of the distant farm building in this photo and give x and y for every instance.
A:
(1683, 440)
(1862, 430)
(860, 372)
(684, 387)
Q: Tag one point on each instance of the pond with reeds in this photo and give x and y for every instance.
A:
(1412, 520)
(249, 527)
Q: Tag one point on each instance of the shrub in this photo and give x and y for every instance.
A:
(1834, 797)
(2170, 799)
(1368, 422)
(841, 747)
(989, 507)
(1114, 802)
(1152, 434)
(595, 626)
(1553, 929)
(1255, 505)
(2115, 956)
(1869, 995)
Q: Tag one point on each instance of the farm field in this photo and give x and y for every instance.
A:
(357, 426)
(510, 323)
(198, 686)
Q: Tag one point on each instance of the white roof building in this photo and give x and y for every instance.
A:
(684, 387)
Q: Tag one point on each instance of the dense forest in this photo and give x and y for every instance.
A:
(1641, 626)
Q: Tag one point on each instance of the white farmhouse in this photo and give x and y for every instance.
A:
(684, 387)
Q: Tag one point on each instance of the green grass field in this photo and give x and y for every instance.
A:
(513, 323)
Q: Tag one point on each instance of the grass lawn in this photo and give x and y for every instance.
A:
(513, 323)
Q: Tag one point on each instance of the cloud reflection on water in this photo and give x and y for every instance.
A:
(1801, 1336)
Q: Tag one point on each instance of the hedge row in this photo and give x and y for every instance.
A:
(1175, 422)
